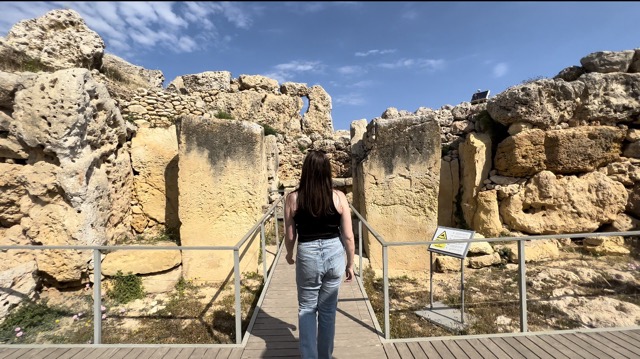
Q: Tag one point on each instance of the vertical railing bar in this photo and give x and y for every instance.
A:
(236, 272)
(275, 220)
(522, 272)
(263, 244)
(430, 280)
(462, 290)
(360, 248)
(97, 297)
(385, 275)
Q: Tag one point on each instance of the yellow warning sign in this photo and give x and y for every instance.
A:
(441, 237)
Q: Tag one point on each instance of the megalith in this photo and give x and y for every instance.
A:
(222, 186)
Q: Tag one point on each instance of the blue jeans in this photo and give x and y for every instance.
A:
(320, 265)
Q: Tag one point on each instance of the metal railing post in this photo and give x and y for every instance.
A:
(385, 276)
(263, 244)
(522, 272)
(360, 248)
(97, 297)
(236, 282)
(275, 219)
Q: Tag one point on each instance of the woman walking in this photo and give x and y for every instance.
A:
(318, 216)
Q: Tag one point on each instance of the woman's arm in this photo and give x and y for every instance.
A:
(290, 225)
(347, 233)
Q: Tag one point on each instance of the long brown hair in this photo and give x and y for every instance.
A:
(315, 194)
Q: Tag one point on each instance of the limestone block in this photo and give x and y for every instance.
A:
(132, 74)
(607, 98)
(154, 156)
(141, 261)
(448, 192)
(258, 83)
(607, 61)
(534, 251)
(449, 264)
(572, 150)
(564, 205)
(60, 39)
(486, 219)
(222, 182)
(635, 62)
(399, 187)
(202, 82)
(475, 162)
(18, 284)
(161, 282)
(484, 261)
(294, 89)
(318, 116)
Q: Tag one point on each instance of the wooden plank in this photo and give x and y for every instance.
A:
(558, 341)
(495, 349)
(624, 336)
(198, 353)
(236, 353)
(18, 353)
(587, 345)
(482, 351)
(442, 350)
(556, 346)
(507, 346)
(84, 353)
(469, 350)
(611, 346)
(553, 352)
(391, 351)
(403, 350)
(431, 352)
(223, 353)
(631, 333)
(122, 353)
(34, 353)
(185, 353)
(531, 346)
(455, 349)
(416, 350)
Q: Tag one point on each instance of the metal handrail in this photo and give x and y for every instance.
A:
(97, 268)
(521, 260)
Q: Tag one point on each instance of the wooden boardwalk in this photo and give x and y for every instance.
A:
(275, 335)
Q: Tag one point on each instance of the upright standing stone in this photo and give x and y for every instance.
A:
(222, 185)
(399, 187)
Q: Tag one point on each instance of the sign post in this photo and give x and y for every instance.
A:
(457, 250)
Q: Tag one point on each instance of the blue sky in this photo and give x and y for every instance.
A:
(367, 55)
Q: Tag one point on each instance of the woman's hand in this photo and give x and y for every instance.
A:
(289, 258)
(350, 274)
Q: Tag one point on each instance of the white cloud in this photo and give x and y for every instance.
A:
(351, 70)
(288, 71)
(427, 64)
(500, 69)
(410, 15)
(352, 99)
(375, 52)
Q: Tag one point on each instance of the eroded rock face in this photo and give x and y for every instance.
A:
(201, 82)
(568, 204)
(58, 40)
(318, 116)
(606, 98)
(72, 184)
(141, 261)
(475, 160)
(399, 188)
(573, 150)
(608, 61)
(134, 75)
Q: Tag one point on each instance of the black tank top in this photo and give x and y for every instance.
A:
(311, 228)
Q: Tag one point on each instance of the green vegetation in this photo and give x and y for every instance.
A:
(115, 75)
(533, 79)
(268, 130)
(31, 319)
(223, 115)
(126, 288)
(21, 63)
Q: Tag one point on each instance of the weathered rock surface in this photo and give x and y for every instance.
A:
(58, 40)
(400, 186)
(141, 261)
(564, 205)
